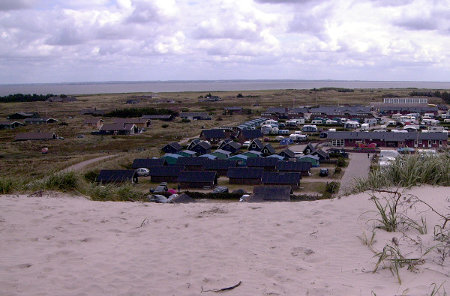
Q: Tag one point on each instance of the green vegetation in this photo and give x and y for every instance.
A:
(408, 171)
(59, 181)
(138, 112)
(25, 98)
(6, 186)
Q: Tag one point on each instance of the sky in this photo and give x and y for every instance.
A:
(142, 40)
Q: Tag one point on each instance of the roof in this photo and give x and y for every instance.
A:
(276, 110)
(34, 136)
(192, 161)
(165, 171)
(233, 108)
(194, 114)
(262, 162)
(205, 145)
(269, 148)
(293, 166)
(245, 173)
(213, 134)
(92, 120)
(341, 110)
(322, 154)
(147, 163)
(188, 152)
(270, 193)
(164, 117)
(281, 178)
(232, 144)
(288, 152)
(131, 120)
(386, 136)
(197, 177)
(115, 175)
(116, 127)
(175, 146)
(308, 156)
(181, 198)
(276, 156)
(258, 143)
(220, 164)
(251, 134)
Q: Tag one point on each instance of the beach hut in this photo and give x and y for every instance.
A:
(314, 160)
(282, 178)
(148, 163)
(267, 163)
(171, 158)
(165, 173)
(187, 153)
(270, 193)
(241, 159)
(197, 179)
(172, 148)
(117, 176)
(249, 176)
(221, 154)
(302, 167)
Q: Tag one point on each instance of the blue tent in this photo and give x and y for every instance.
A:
(286, 141)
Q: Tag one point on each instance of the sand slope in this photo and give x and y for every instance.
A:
(71, 246)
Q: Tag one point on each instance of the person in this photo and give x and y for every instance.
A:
(368, 155)
(179, 187)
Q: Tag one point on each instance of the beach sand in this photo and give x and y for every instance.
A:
(66, 245)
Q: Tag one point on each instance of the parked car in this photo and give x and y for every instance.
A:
(338, 152)
(143, 172)
(323, 172)
(220, 189)
(161, 188)
(246, 144)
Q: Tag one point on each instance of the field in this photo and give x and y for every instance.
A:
(25, 160)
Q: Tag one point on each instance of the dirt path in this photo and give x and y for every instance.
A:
(79, 166)
(358, 167)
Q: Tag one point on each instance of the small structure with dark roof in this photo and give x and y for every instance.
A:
(250, 176)
(202, 147)
(158, 117)
(249, 134)
(268, 150)
(230, 146)
(213, 136)
(268, 164)
(256, 145)
(148, 163)
(118, 129)
(35, 120)
(309, 149)
(220, 166)
(35, 136)
(193, 163)
(270, 193)
(139, 122)
(197, 179)
(172, 148)
(195, 115)
(277, 178)
(165, 173)
(303, 167)
(10, 124)
(95, 123)
(117, 176)
(287, 154)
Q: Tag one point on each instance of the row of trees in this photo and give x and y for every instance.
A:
(25, 98)
(443, 95)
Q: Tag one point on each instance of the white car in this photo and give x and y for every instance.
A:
(143, 172)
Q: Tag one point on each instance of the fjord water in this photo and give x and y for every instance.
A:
(204, 85)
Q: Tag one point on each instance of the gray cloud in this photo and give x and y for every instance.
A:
(16, 4)
(417, 24)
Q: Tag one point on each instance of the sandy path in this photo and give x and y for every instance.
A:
(72, 246)
(358, 167)
(79, 166)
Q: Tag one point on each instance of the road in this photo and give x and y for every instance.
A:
(79, 166)
(358, 167)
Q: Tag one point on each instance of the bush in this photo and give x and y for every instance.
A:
(58, 181)
(91, 176)
(164, 125)
(332, 187)
(6, 186)
(341, 162)
(337, 170)
(185, 120)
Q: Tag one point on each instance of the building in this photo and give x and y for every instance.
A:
(95, 123)
(193, 163)
(220, 166)
(200, 147)
(164, 117)
(10, 124)
(266, 163)
(270, 193)
(291, 179)
(165, 174)
(37, 120)
(139, 122)
(147, 163)
(256, 145)
(287, 154)
(197, 179)
(314, 160)
(412, 100)
(214, 136)
(242, 175)
(302, 167)
(195, 115)
(171, 158)
(35, 136)
(117, 176)
(172, 148)
(268, 150)
(229, 145)
(248, 135)
(221, 154)
(118, 129)
(232, 110)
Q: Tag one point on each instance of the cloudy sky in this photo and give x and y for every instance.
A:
(129, 40)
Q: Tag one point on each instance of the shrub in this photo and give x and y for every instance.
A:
(332, 187)
(337, 170)
(164, 125)
(6, 186)
(341, 162)
(91, 176)
(185, 120)
(58, 181)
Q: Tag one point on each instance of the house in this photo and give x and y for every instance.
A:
(302, 167)
(117, 176)
(389, 109)
(197, 179)
(213, 136)
(62, 99)
(139, 122)
(165, 174)
(209, 156)
(35, 136)
(220, 166)
(118, 129)
(95, 123)
(35, 120)
(221, 154)
(270, 193)
(248, 135)
(201, 147)
(163, 117)
(171, 158)
(287, 154)
(268, 150)
(195, 115)
(321, 154)
(350, 124)
(241, 159)
(276, 113)
(282, 178)
(309, 149)
(187, 153)
(253, 153)
(172, 148)
(232, 110)
(276, 156)
(248, 176)
(230, 145)
(10, 124)
(268, 163)
(314, 160)
(389, 139)
(132, 102)
(192, 163)
(147, 163)
(256, 145)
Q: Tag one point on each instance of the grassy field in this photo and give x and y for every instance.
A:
(25, 160)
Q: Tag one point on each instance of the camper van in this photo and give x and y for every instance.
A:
(364, 127)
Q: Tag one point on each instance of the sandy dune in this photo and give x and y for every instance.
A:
(62, 245)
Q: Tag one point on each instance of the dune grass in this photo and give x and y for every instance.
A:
(408, 171)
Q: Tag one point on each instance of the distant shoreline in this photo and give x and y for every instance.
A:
(116, 87)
